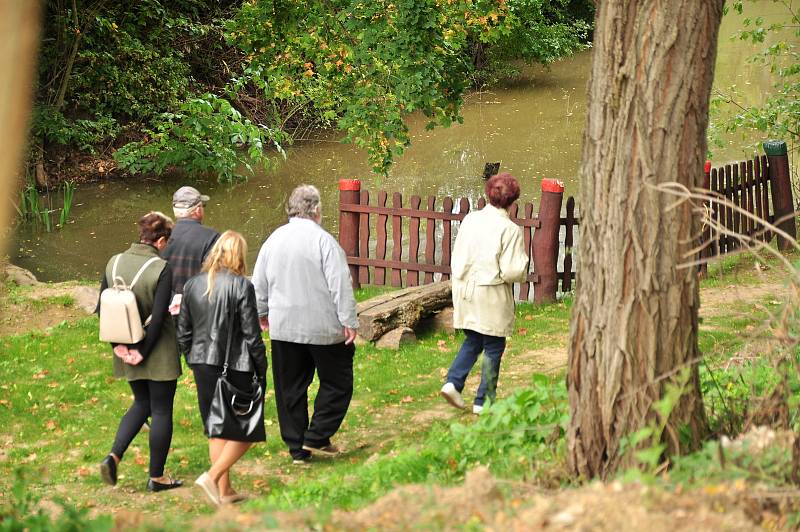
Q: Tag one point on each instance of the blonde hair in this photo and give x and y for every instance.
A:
(228, 253)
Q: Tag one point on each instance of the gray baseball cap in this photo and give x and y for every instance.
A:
(186, 197)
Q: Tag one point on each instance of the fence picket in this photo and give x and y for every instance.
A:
(430, 239)
(363, 237)
(447, 236)
(566, 280)
(397, 239)
(728, 210)
(380, 250)
(714, 207)
(413, 246)
(525, 286)
(751, 183)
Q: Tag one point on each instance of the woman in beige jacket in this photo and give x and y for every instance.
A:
(488, 258)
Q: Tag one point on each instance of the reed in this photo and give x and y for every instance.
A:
(68, 191)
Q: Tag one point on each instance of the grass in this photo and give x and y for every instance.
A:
(59, 409)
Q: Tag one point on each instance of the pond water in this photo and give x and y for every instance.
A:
(533, 126)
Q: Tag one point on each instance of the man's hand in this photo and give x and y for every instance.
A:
(134, 357)
(264, 322)
(175, 305)
(349, 335)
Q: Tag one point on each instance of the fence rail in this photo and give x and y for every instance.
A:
(377, 256)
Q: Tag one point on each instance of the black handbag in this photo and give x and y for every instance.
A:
(235, 413)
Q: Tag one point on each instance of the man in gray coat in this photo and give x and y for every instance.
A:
(305, 298)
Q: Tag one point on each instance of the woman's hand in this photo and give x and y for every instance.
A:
(121, 350)
(134, 357)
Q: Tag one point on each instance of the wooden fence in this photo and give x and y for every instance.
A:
(760, 186)
(364, 237)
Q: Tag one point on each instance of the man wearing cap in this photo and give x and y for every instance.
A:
(190, 241)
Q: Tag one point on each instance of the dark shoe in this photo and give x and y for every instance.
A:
(324, 450)
(152, 485)
(108, 470)
(302, 458)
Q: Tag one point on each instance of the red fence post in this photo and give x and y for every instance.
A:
(349, 194)
(781, 185)
(545, 242)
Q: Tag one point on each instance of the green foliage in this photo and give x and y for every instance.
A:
(367, 65)
(52, 126)
(22, 513)
(779, 116)
(206, 135)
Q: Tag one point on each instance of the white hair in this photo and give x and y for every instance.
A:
(187, 212)
(304, 202)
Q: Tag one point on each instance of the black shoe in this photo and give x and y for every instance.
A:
(152, 485)
(302, 457)
(108, 470)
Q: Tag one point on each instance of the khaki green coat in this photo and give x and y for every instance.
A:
(163, 363)
(488, 258)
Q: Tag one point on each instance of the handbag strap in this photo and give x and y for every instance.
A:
(228, 346)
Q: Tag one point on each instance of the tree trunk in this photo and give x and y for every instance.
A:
(19, 26)
(634, 322)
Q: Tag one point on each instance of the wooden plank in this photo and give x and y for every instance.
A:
(463, 207)
(430, 239)
(714, 212)
(397, 239)
(566, 280)
(412, 277)
(403, 308)
(380, 248)
(728, 210)
(446, 236)
(751, 207)
(513, 210)
(481, 203)
(737, 201)
(363, 239)
(758, 192)
(401, 265)
(425, 214)
(525, 287)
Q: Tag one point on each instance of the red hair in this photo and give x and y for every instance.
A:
(502, 190)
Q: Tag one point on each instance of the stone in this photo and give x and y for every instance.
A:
(442, 321)
(21, 276)
(85, 298)
(396, 338)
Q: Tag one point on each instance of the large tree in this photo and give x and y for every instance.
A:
(634, 322)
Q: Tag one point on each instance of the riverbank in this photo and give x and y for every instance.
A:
(60, 407)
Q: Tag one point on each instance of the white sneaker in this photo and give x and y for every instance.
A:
(450, 393)
(477, 409)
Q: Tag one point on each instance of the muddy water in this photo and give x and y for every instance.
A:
(532, 126)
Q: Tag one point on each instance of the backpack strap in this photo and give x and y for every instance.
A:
(141, 270)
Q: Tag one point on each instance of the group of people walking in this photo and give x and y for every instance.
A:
(190, 282)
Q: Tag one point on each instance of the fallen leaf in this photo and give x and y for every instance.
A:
(527, 317)
(50, 425)
(407, 399)
(41, 374)
(522, 330)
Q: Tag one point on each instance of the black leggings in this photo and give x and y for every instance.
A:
(150, 398)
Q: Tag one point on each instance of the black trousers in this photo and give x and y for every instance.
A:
(293, 367)
(150, 398)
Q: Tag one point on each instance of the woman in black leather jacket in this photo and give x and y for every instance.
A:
(217, 303)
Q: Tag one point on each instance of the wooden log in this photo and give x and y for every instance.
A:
(401, 308)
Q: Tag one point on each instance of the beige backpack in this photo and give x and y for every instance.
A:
(120, 322)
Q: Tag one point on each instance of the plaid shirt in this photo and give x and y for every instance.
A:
(187, 248)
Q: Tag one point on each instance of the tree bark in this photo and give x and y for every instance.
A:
(401, 308)
(634, 322)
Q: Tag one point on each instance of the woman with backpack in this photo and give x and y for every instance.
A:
(152, 365)
(219, 333)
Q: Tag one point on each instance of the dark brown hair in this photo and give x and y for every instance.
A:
(502, 190)
(153, 226)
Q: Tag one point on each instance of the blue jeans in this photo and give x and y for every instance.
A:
(474, 343)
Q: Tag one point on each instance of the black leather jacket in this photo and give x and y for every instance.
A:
(204, 325)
